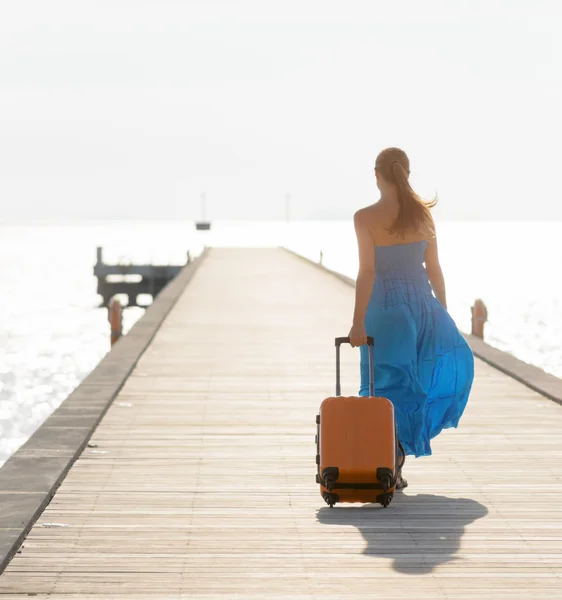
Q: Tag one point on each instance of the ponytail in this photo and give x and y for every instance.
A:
(413, 212)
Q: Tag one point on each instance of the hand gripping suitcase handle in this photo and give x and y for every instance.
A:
(345, 340)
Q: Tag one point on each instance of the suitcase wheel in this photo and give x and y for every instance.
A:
(330, 499)
(385, 500)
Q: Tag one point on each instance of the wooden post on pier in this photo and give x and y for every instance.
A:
(479, 317)
(115, 316)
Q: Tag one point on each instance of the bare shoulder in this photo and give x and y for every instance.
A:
(364, 216)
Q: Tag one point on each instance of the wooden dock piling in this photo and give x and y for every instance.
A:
(479, 314)
(115, 318)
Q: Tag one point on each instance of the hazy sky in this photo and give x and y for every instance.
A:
(131, 108)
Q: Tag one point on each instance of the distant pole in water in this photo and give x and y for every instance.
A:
(203, 224)
(288, 207)
(203, 206)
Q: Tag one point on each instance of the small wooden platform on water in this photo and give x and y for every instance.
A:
(199, 481)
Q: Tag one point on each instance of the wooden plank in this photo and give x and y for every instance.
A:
(200, 481)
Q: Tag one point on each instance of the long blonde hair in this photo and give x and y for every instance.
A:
(414, 212)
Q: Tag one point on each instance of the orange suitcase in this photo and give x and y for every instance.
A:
(358, 452)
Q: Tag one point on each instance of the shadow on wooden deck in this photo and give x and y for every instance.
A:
(419, 532)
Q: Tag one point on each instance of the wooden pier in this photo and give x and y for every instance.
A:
(199, 481)
(132, 280)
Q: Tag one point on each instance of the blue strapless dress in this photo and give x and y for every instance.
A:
(423, 365)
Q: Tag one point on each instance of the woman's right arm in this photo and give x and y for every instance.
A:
(434, 271)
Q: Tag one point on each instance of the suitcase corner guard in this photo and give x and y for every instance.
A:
(329, 477)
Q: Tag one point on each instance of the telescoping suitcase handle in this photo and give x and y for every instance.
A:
(346, 340)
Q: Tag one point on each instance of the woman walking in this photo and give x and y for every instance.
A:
(422, 362)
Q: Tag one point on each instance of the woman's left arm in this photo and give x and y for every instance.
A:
(365, 279)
